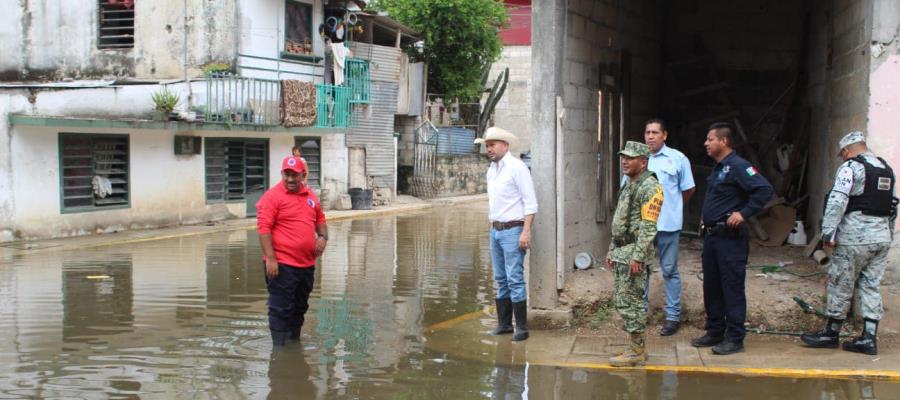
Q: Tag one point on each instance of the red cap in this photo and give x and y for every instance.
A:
(292, 163)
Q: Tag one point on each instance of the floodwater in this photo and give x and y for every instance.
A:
(186, 318)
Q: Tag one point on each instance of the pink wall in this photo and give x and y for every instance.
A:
(884, 109)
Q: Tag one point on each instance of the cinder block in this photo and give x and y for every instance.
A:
(343, 202)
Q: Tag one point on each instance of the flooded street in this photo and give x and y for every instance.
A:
(186, 318)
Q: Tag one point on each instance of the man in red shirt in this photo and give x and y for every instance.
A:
(292, 234)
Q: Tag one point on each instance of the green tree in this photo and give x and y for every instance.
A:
(461, 38)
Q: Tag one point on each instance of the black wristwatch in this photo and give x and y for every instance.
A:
(323, 237)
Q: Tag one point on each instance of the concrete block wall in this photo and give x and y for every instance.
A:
(406, 127)
(596, 33)
(839, 88)
(460, 175)
(513, 111)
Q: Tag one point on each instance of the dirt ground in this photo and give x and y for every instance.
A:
(770, 304)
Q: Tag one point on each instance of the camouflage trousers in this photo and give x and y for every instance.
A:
(628, 297)
(861, 266)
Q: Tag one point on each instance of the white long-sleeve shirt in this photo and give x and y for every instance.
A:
(510, 190)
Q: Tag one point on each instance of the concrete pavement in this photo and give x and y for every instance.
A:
(466, 336)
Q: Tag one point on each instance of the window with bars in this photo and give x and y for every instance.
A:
(311, 151)
(235, 168)
(93, 171)
(116, 24)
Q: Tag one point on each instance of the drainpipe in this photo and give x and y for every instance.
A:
(560, 196)
(186, 78)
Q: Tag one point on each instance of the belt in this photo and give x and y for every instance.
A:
(721, 229)
(506, 225)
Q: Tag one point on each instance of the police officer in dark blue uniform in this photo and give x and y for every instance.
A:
(735, 191)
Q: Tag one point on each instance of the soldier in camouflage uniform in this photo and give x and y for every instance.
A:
(859, 225)
(633, 230)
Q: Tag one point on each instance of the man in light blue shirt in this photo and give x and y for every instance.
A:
(673, 170)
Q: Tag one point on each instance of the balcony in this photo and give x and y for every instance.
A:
(238, 100)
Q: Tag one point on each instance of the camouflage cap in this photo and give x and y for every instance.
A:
(850, 138)
(635, 149)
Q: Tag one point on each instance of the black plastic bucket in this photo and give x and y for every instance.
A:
(361, 199)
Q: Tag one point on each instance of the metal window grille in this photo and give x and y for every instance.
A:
(87, 160)
(356, 76)
(235, 99)
(116, 24)
(234, 168)
(311, 151)
(332, 106)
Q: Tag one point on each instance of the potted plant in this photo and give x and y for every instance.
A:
(164, 103)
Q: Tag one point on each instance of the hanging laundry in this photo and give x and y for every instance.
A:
(340, 54)
(102, 186)
(298, 103)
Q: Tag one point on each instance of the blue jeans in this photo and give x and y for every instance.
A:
(667, 250)
(507, 259)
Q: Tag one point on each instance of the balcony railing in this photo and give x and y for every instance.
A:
(332, 106)
(233, 99)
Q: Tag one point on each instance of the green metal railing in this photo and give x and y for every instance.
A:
(234, 99)
(356, 77)
(332, 106)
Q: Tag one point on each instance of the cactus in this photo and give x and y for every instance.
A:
(491, 103)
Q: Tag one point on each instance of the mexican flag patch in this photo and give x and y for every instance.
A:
(751, 171)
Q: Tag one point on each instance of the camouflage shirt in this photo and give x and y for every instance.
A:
(855, 227)
(634, 222)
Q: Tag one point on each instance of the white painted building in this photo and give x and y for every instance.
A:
(76, 80)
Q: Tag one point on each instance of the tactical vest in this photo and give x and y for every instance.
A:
(877, 197)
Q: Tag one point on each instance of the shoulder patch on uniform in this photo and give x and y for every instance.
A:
(751, 170)
(650, 210)
(843, 180)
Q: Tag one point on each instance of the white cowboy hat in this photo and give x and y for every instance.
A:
(495, 133)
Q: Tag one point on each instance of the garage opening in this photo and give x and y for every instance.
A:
(767, 67)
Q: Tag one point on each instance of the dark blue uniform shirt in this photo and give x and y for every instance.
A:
(734, 185)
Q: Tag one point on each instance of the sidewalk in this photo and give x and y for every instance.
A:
(403, 204)
(779, 356)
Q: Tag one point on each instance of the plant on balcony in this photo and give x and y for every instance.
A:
(164, 103)
(215, 67)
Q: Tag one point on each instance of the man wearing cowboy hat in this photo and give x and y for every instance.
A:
(512, 205)
(859, 226)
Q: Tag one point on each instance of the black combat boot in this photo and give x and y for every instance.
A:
(866, 343)
(504, 317)
(520, 309)
(827, 338)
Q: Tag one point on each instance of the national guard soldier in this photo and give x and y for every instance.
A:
(633, 231)
(859, 225)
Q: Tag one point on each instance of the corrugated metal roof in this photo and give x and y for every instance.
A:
(373, 128)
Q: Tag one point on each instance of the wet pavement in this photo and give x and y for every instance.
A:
(185, 317)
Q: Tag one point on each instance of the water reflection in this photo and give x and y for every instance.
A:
(187, 318)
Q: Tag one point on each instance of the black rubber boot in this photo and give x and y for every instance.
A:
(504, 317)
(866, 343)
(295, 334)
(520, 309)
(279, 338)
(827, 338)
